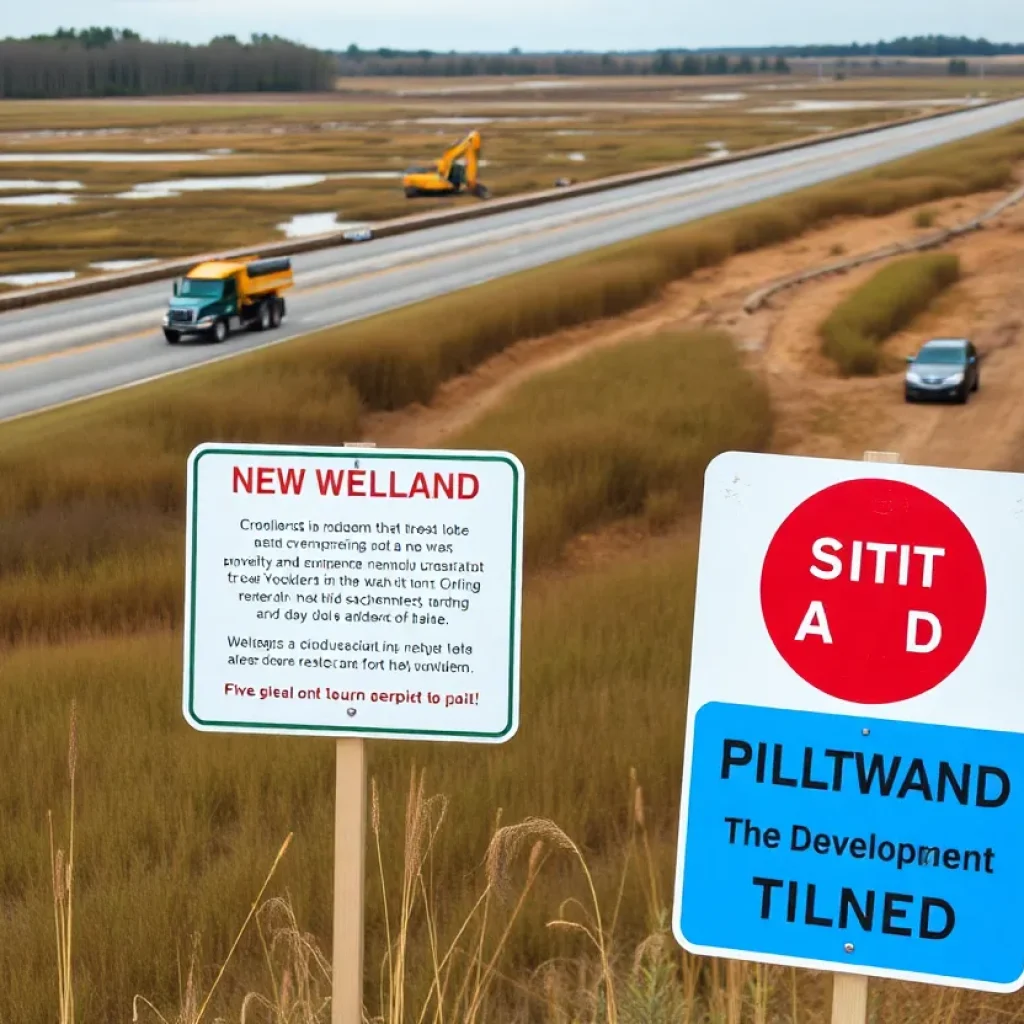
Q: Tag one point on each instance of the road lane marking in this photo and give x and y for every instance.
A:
(44, 357)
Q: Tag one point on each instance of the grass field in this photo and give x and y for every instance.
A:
(176, 829)
(62, 217)
(886, 303)
(208, 813)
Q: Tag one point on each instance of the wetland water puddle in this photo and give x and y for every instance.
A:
(820, 106)
(30, 185)
(315, 224)
(38, 199)
(112, 265)
(44, 277)
(263, 182)
(9, 157)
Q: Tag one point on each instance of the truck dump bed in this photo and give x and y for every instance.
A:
(262, 277)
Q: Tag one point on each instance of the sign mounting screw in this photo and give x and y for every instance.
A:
(865, 732)
(848, 947)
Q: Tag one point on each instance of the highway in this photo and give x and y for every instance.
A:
(76, 348)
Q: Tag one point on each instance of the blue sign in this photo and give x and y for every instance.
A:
(890, 847)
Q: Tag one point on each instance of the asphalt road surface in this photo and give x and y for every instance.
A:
(69, 350)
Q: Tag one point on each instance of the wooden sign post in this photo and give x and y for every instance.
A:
(356, 596)
(349, 871)
(349, 881)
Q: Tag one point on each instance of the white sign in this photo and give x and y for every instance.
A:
(353, 592)
(853, 781)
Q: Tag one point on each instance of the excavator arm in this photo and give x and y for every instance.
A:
(469, 148)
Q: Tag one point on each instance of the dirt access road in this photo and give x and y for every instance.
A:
(818, 413)
(822, 414)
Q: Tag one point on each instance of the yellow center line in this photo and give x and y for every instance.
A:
(44, 357)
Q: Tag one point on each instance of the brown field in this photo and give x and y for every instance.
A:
(176, 830)
(532, 136)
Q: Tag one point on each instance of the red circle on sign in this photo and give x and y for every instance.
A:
(873, 591)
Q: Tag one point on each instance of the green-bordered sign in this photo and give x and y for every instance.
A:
(353, 592)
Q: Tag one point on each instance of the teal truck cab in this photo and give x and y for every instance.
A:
(219, 296)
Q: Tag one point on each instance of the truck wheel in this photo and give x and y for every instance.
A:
(173, 337)
(219, 332)
(276, 313)
(264, 315)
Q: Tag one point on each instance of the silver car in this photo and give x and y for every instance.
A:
(945, 368)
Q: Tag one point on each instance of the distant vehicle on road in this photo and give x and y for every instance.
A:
(944, 368)
(219, 296)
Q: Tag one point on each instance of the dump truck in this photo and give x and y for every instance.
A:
(454, 171)
(219, 296)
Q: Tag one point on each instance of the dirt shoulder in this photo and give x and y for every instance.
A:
(822, 414)
(818, 413)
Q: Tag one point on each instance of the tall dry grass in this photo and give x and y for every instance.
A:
(886, 303)
(624, 433)
(175, 828)
(605, 977)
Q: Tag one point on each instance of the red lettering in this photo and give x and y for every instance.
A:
(467, 481)
(330, 481)
(242, 478)
(362, 483)
(290, 481)
(393, 492)
(264, 480)
(356, 478)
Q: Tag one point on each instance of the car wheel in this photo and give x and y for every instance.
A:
(276, 312)
(219, 332)
(977, 382)
(173, 337)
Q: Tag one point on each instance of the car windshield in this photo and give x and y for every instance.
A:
(201, 289)
(941, 354)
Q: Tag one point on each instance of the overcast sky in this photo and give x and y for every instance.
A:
(531, 24)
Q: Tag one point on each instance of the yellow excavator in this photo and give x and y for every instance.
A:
(455, 171)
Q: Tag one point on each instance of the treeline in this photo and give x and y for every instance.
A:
(904, 46)
(356, 62)
(106, 62)
(423, 63)
(91, 38)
